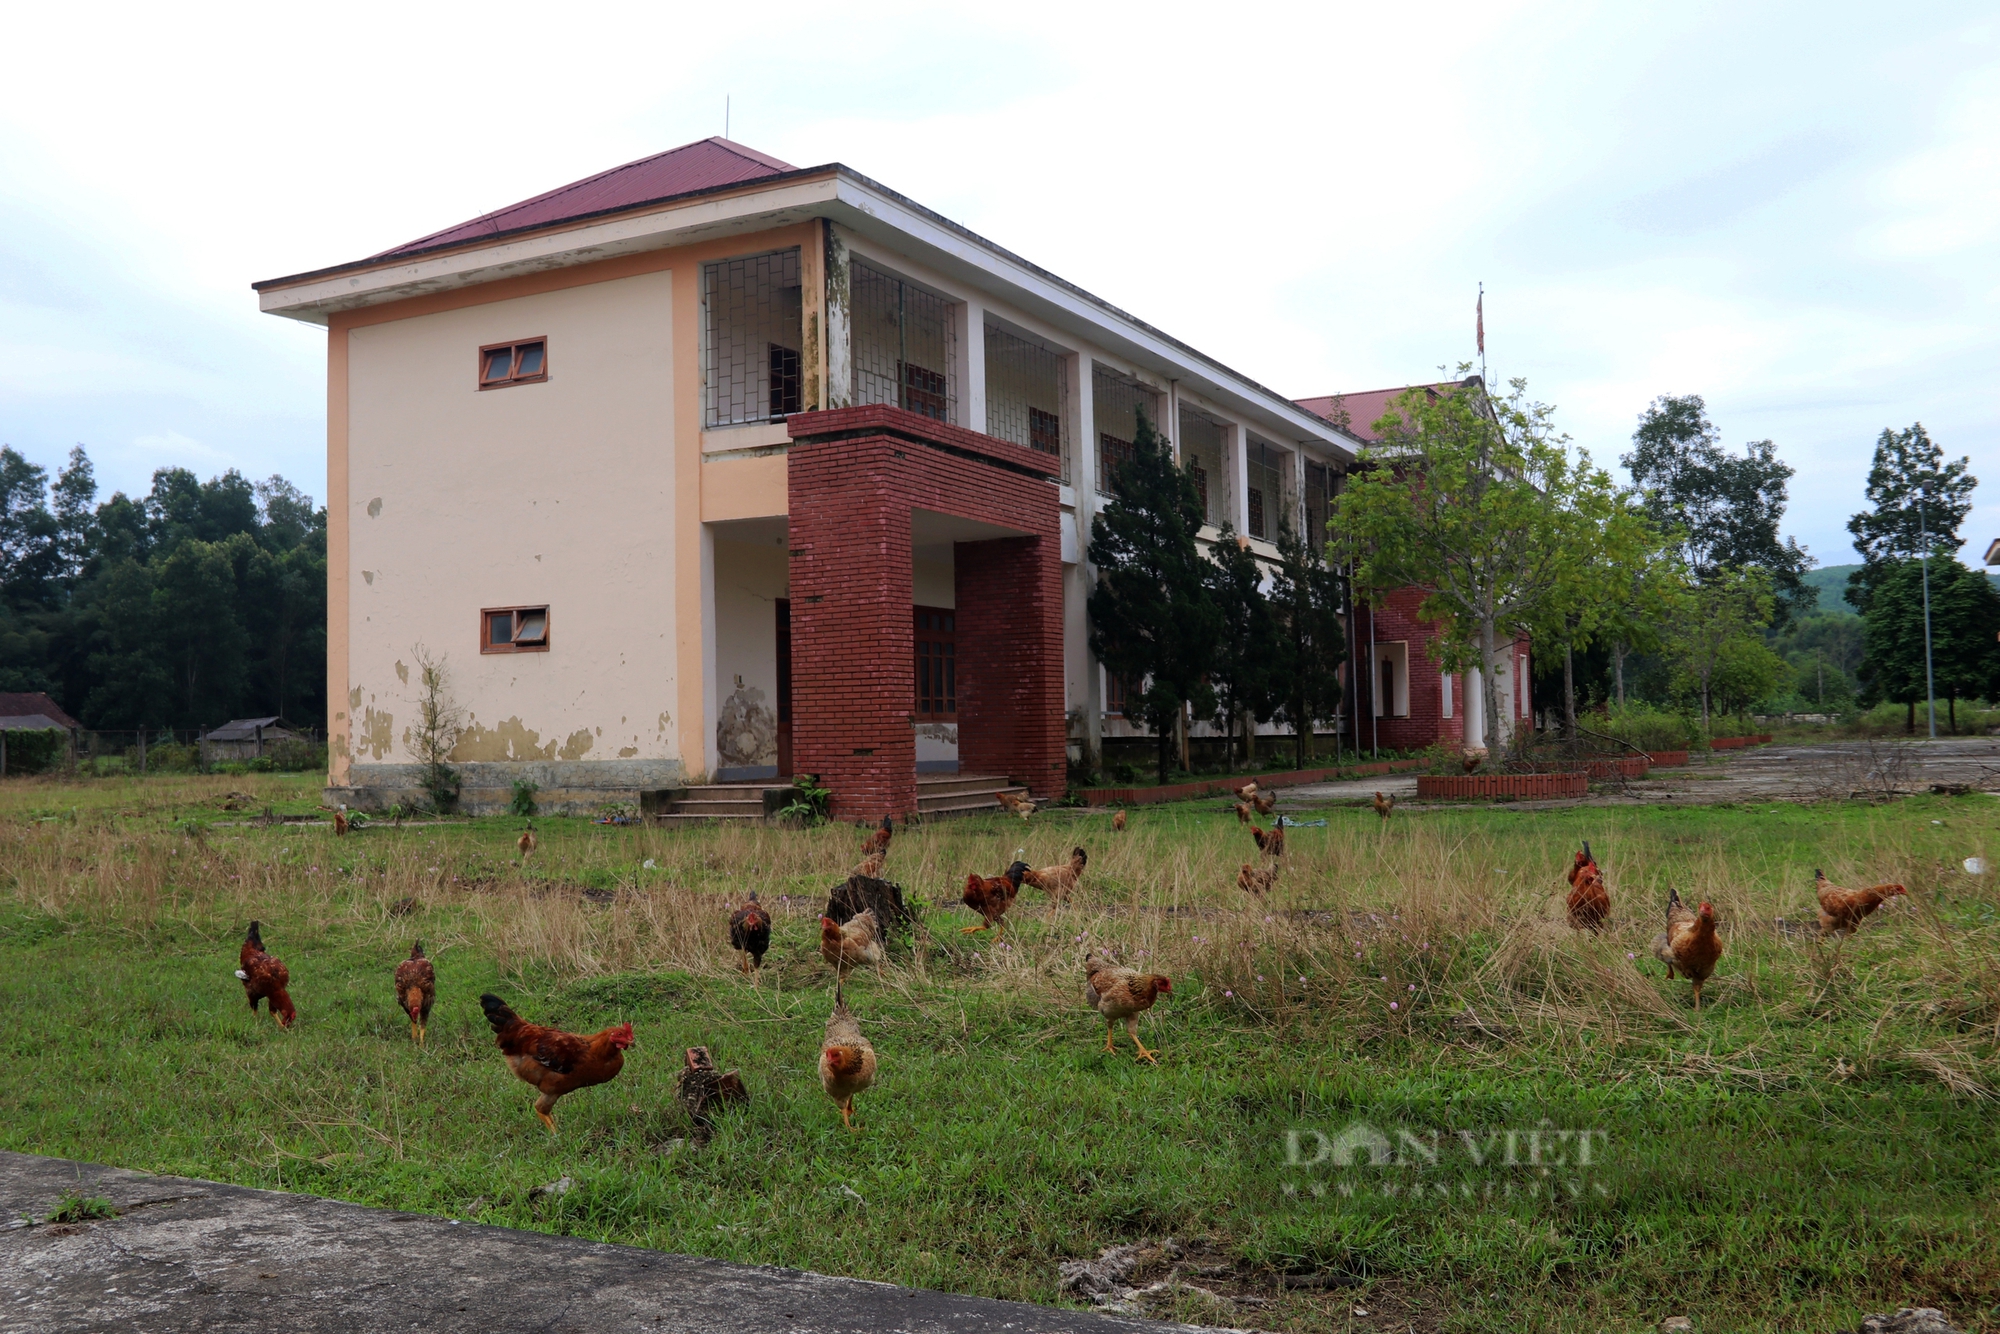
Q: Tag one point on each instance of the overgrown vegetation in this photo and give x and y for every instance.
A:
(1814, 1144)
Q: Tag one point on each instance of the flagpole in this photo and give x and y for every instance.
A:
(1480, 325)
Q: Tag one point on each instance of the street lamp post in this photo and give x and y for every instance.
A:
(1924, 557)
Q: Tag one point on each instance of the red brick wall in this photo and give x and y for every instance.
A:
(855, 474)
(1396, 619)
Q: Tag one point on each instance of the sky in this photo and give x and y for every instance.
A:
(1790, 210)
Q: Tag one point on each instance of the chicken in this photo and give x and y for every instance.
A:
(1689, 946)
(265, 978)
(553, 1061)
(750, 934)
(1265, 802)
(1247, 791)
(1384, 806)
(991, 898)
(1123, 993)
(1255, 880)
(526, 842)
(1472, 759)
(1118, 823)
(847, 947)
(1841, 911)
(846, 1060)
(1272, 843)
(1243, 812)
(416, 991)
(1589, 903)
(869, 866)
(1058, 881)
(1021, 806)
(700, 1087)
(878, 838)
(340, 822)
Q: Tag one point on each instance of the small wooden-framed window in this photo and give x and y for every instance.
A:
(924, 391)
(514, 630)
(1044, 431)
(525, 362)
(937, 664)
(1114, 695)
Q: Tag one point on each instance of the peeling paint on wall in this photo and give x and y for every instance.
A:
(510, 740)
(378, 733)
(577, 745)
(354, 700)
(402, 673)
(627, 752)
(369, 575)
(375, 508)
(747, 731)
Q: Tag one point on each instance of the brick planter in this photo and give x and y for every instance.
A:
(1668, 759)
(1208, 787)
(1528, 787)
(1738, 742)
(1625, 766)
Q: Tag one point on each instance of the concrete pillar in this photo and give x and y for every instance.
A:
(1237, 466)
(839, 322)
(1475, 708)
(1088, 693)
(711, 695)
(971, 368)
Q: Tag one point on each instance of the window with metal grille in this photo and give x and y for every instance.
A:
(1114, 695)
(514, 630)
(937, 664)
(525, 362)
(1266, 488)
(1202, 448)
(904, 344)
(1116, 402)
(753, 320)
(1027, 394)
(1319, 500)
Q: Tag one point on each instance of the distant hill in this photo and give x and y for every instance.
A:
(1831, 582)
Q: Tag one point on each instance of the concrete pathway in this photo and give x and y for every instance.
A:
(188, 1255)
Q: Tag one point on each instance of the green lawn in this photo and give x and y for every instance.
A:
(1818, 1142)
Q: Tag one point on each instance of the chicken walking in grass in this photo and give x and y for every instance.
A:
(416, 991)
(992, 896)
(848, 946)
(1058, 881)
(1265, 803)
(1841, 911)
(878, 839)
(1118, 823)
(1689, 946)
(555, 1063)
(1589, 903)
(846, 1059)
(701, 1088)
(265, 978)
(1271, 843)
(1021, 806)
(1247, 791)
(1243, 812)
(1123, 993)
(340, 822)
(1384, 806)
(871, 865)
(526, 842)
(750, 935)
(1257, 881)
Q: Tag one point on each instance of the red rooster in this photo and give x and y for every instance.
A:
(1589, 902)
(1689, 945)
(265, 978)
(553, 1061)
(991, 897)
(1841, 911)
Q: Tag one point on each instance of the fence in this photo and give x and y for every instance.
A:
(101, 752)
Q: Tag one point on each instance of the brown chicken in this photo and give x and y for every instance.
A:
(1689, 946)
(1118, 823)
(1265, 802)
(1123, 993)
(553, 1061)
(416, 991)
(526, 842)
(1589, 902)
(1243, 812)
(1255, 880)
(701, 1088)
(340, 823)
(1272, 843)
(265, 978)
(846, 1059)
(878, 838)
(1247, 791)
(847, 947)
(1384, 806)
(1058, 881)
(1841, 911)
(992, 897)
(1472, 759)
(1021, 806)
(750, 934)
(870, 866)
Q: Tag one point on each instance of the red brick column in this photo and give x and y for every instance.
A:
(1010, 659)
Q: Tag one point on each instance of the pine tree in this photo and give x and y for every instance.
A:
(1305, 595)
(1153, 621)
(1918, 502)
(1249, 673)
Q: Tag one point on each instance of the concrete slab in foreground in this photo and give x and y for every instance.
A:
(188, 1255)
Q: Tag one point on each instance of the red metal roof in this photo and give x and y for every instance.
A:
(1364, 409)
(32, 704)
(701, 165)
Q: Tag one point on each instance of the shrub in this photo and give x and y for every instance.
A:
(37, 751)
(297, 755)
(1649, 728)
(522, 803)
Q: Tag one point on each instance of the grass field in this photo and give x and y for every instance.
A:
(1818, 1142)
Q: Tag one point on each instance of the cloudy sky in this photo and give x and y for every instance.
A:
(1791, 210)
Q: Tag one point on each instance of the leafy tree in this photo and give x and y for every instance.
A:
(1306, 598)
(1248, 670)
(1965, 620)
(1153, 619)
(1709, 640)
(1477, 500)
(73, 498)
(27, 532)
(1726, 509)
(1603, 586)
(1918, 502)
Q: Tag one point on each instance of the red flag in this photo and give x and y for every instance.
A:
(1479, 317)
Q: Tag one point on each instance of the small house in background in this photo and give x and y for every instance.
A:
(245, 739)
(33, 711)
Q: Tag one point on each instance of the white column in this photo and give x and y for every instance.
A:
(1297, 510)
(1237, 466)
(839, 322)
(971, 369)
(711, 699)
(1475, 708)
(1086, 686)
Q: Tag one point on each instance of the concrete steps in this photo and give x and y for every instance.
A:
(961, 794)
(756, 803)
